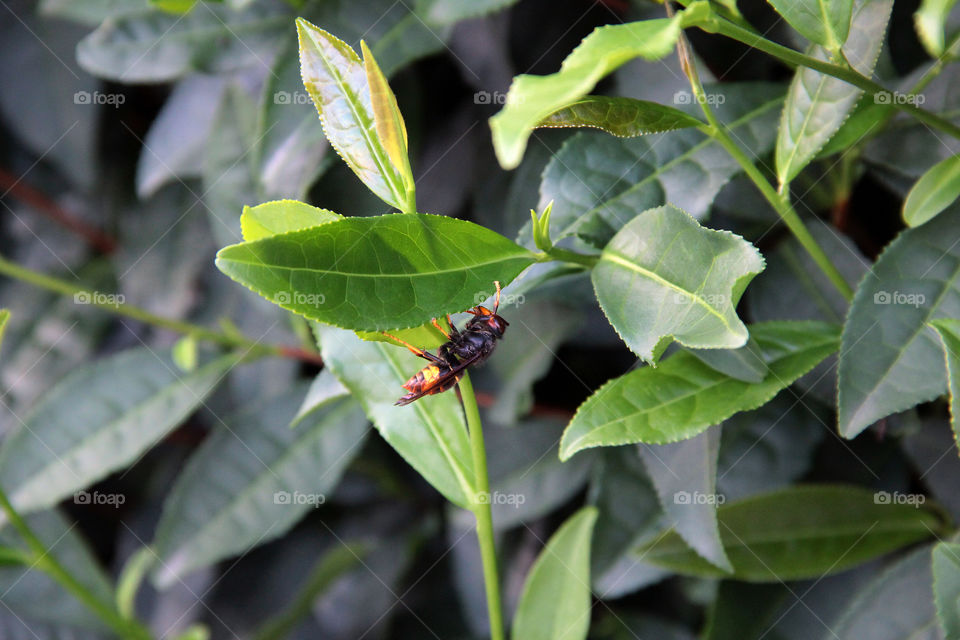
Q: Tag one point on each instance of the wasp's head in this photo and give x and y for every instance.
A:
(496, 324)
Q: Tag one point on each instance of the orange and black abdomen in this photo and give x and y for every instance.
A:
(431, 379)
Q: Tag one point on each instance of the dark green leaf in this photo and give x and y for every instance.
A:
(825, 22)
(745, 363)
(948, 330)
(946, 586)
(622, 117)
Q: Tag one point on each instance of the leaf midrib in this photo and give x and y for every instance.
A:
(351, 274)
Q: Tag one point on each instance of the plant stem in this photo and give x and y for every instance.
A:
(46, 562)
(715, 24)
(564, 255)
(480, 505)
(779, 201)
(111, 304)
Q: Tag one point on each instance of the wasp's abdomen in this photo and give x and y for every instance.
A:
(424, 378)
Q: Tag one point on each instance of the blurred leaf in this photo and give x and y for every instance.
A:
(889, 360)
(334, 76)
(91, 12)
(324, 388)
(4, 318)
(948, 329)
(556, 595)
(176, 7)
(685, 475)
(599, 183)
(729, 619)
(936, 190)
(379, 272)
(533, 98)
(98, 419)
(281, 216)
(430, 433)
(898, 604)
(173, 148)
(253, 479)
(663, 277)
(682, 397)
(184, 353)
(446, 12)
(621, 117)
(825, 22)
(131, 577)
(159, 47)
(946, 586)
(744, 363)
(930, 20)
(817, 104)
(800, 532)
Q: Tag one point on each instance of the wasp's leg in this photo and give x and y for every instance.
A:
(416, 350)
(446, 334)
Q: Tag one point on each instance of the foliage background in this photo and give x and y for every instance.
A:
(203, 113)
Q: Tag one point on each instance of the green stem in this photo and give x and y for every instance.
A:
(480, 505)
(715, 24)
(46, 562)
(779, 201)
(111, 304)
(564, 255)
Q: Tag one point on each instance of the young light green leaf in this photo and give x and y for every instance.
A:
(100, 418)
(4, 319)
(800, 532)
(685, 476)
(555, 603)
(184, 353)
(599, 183)
(621, 117)
(533, 98)
(948, 329)
(936, 190)
(663, 277)
(281, 216)
(946, 587)
(335, 78)
(430, 433)
(131, 577)
(817, 104)
(889, 360)
(253, 479)
(825, 22)
(377, 273)
(930, 20)
(391, 130)
(682, 397)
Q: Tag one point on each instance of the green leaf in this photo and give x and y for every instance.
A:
(335, 78)
(158, 47)
(825, 22)
(253, 479)
(744, 363)
(663, 277)
(946, 586)
(685, 476)
(134, 570)
(936, 190)
(430, 433)
(599, 183)
(100, 418)
(377, 273)
(448, 12)
(555, 602)
(621, 117)
(682, 397)
(930, 20)
(281, 216)
(425, 336)
(800, 532)
(889, 360)
(818, 104)
(4, 318)
(324, 388)
(533, 98)
(184, 353)
(948, 329)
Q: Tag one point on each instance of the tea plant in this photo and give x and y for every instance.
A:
(724, 472)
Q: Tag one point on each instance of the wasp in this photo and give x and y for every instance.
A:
(469, 346)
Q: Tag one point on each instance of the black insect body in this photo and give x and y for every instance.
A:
(469, 346)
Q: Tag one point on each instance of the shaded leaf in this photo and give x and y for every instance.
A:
(946, 586)
(800, 532)
(930, 20)
(556, 595)
(825, 22)
(744, 363)
(621, 117)
(379, 272)
(4, 318)
(948, 329)
(936, 190)
(663, 277)
(281, 216)
(682, 397)
(447, 12)
(98, 419)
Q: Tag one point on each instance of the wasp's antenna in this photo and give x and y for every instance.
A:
(496, 302)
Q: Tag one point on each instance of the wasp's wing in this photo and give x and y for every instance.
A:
(438, 384)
